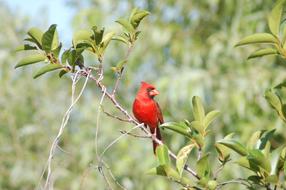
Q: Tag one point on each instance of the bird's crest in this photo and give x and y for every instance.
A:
(146, 85)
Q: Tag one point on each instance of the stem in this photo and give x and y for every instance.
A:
(135, 135)
(239, 181)
(114, 116)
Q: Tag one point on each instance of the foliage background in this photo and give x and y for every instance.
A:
(186, 48)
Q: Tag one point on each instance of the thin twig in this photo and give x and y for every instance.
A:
(118, 138)
(63, 125)
(64, 151)
(114, 116)
(99, 158)
(100, 169)
(97, 124)
(117, 82)
(112, 176)
(135, 135)
(219, 169)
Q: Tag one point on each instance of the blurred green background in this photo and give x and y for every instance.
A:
(186, 48)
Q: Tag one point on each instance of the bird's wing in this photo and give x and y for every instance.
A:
(159, 114)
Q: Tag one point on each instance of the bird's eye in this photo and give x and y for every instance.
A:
(150, 89)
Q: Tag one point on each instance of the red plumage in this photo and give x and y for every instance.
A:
(146, 110)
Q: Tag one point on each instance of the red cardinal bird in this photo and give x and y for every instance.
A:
(147, 110)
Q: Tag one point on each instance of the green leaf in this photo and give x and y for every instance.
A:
(203, 167)
(188, 182)
(106, 39)
(198, 139)
(119, 66)
(234, 145)
(97, 35)
(180, 128)
(159, 170)
(210, 117)
(197, 125)
(50, 39)
(65, 56)
(62, 73)
(172, 173)
(80, 61)
(265, 137)
(74, 57)
(133, 12)
(198, 109)
(137, 34)
(163, 155)
(252, 143)
(263, 52)
(126, 25)
(284, 167)
(254, 178)
(266, 149)
(169, 172)
(274, 18)
(182, 157)
(55, 42)
(36, 35)
(121, 39)
(57, 51)
(274, 100)
(276, 160)
(273, 179)
(47, 68)
(246, 163)
(25, 47)
(283, 153)
(284, 37)
(83, 36)
(257, 38)
(257, 157)
(203, 182)
(31, 59)
(223, 151)
(281, 85)
(137, 17)
(87, 45)
(30, 40)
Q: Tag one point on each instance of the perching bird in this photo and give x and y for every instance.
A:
(146, 110)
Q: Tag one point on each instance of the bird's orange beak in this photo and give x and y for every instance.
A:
(154, 92)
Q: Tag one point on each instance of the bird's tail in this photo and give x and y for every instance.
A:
(156, 131)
